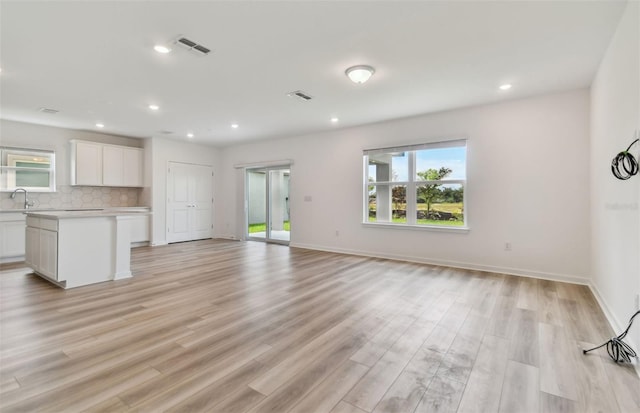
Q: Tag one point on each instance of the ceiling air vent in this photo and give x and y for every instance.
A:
(300, 95)
(193, 46)
(48, 110)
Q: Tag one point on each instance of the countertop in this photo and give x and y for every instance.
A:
(71, 214)
(96, 209)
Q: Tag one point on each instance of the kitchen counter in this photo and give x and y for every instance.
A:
(51, 214)
(76, 248)
(38, 210)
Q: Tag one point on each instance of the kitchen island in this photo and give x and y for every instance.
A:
(76, 248)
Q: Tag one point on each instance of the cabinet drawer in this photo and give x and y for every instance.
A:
(49, 224)
(33, 222)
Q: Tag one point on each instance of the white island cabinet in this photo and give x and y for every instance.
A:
(12, 236)
(75, 248)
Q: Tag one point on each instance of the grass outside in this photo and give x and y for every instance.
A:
(454, 208)
(262, 227)
(434, 222)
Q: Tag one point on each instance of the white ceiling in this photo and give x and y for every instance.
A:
(94, 61)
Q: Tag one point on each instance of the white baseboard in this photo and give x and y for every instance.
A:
(7, 260)
(226, 236)
(455, 264)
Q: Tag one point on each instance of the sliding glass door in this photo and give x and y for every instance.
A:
(267, 194)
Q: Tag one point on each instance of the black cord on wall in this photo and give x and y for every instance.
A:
(624, 164)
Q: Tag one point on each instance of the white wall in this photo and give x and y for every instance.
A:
(615, 216)
(27, 135)
(165, 150)
(527, 184)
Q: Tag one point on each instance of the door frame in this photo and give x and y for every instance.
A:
(267, 180)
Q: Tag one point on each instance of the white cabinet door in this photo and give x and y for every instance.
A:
(32, 254)
(132, 168)
(112, 165)
(88, 164)
(48, 254)
(189, 202)
(202, 206)
(140, 229)
(12, 238)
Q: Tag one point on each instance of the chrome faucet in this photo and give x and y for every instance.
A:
(27, 203)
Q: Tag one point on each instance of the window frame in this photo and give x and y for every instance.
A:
(9, 156)
(412, 185)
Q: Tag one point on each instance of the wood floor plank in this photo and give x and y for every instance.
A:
(372, 387)
(626, 385)
(523, 344)
(520, 389)
(556, 362)
(443, 395)
(528, 294)
(550, 403)
(595, 392)
(326, 395)
(484, 386)
(548, 305)
(315, 331)
(408, 389)
(214, 394)
(344, 407)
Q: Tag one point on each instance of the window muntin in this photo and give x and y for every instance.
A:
(426, 190)
(33, 170)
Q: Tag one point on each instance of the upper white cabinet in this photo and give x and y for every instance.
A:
(112, 166)
(97, 164)
(133, 160)
(86, 163)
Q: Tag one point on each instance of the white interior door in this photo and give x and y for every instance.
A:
(189, 202)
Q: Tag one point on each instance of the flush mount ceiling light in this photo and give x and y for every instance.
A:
(154, 107)
(189, 135)
(506, 86)
(234, 125)
(359, 74)
(161, 48)
(334, 120)
(99, 125)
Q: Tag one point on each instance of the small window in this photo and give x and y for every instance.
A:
(417, 185)
(33, 170)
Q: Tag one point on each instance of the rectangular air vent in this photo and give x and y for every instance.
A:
(300, 95)
(48, 110)
(193, 46)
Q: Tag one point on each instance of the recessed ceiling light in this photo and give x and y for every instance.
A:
(99, 125)
(189, 135)
(359, 74)
(160, 48)
(154, 107)
(506, 86)
(334, 120)
(234, 125)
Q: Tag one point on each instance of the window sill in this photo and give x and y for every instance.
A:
(459, 230)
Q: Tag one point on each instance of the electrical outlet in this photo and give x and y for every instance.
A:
(507, 246)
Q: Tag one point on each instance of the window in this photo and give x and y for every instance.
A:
(33, 170)
(417, 185)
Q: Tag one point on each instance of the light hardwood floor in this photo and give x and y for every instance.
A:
(221, 326)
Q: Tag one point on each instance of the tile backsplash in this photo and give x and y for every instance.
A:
(75, 197)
